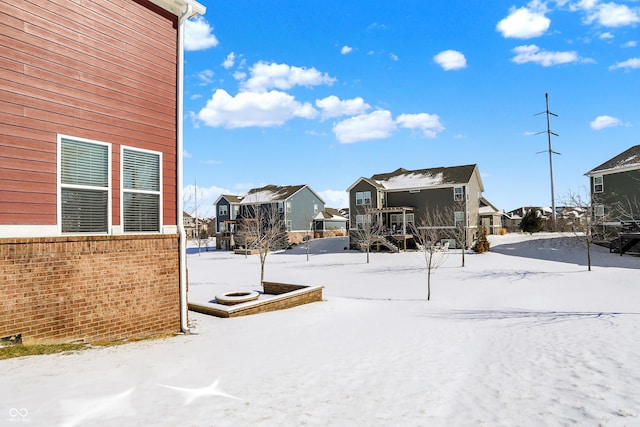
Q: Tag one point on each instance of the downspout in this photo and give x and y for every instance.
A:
(179, 171)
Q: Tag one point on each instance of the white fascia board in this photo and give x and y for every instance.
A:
(177, 7)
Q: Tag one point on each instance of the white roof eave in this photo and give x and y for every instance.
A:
(177, 7)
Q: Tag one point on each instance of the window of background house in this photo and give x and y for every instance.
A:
(288, 206)
(598, 184)
(84, 186)
(599, 211)
(141, 175)
(363, 198)
(458, 218)
(458, 194)
(222, 210)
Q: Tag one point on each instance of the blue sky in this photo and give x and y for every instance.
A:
(323, 93)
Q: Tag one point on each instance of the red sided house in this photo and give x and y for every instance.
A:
(90, 169)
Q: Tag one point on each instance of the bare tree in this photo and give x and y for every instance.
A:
(628, 211)
(368, 230)
(455, 221)
(427, 234)
(262, 227)
(588, 215)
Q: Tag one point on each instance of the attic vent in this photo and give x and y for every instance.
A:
(414, 190)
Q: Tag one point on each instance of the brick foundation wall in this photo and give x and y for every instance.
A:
(62, 289)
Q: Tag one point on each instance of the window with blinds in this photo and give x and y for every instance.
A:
(84, 186)
(140, 190)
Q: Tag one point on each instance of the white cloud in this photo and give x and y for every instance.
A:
(247, 109)
(186, 154)
(532, 53)
(229, 60)
(199, 34)
(602, 122)
(335, 198)
(346, 49)
(629, 63)
(265, 76)
(206, 76)
(429, 124)
(606, 36)
(451, 60)
(611, 14)
(630, 43)
(375, 125)
(332, 106)
(393, 56)
(524, 23)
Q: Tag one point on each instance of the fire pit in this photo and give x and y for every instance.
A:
(232, 298)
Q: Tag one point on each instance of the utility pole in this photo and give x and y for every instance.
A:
(551, 153)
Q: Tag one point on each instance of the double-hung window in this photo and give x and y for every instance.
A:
(141, 190)
(85, 190)
(458, 194)
(458, 218)
(222, 210)
(363, 198)
(598, 184)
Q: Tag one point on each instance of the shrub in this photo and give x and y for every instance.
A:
(482, 243)
(532, 222)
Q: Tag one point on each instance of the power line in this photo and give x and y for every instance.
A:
(551, 153)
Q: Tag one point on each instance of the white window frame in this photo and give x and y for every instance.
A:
(361, 198)
(288, 206)
(61, 186)
(153, 192)
(458, 218)
(597, 184)
(598, 211)
(458, 196)
(223, 212)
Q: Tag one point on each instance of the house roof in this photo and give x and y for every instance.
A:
(273, 193)
(423, 178)
(229, 198)
(627, 160)
(331, 214)
(178, 6)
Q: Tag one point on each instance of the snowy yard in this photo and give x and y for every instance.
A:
(521, 336)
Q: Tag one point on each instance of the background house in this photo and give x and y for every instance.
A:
(399, 200)
(296, 206)
(330, 223)
(227, 209)
(89, 170)
(615, 193)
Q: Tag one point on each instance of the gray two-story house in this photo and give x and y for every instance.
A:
(297, 206)
(615, 193)
(399, 201)
(227, 209)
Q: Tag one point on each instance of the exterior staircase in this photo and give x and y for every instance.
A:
(387, 243)
(624, 242)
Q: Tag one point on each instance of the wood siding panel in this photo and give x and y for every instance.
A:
(102, 70)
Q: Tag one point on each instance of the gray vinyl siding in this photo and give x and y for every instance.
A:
(359, 210)
(221, 218)
(302, 211)
(621, 187)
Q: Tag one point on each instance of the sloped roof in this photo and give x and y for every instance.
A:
(424, 178)
(331, 214)
(627, 160)
(271, 193)
(229, 198)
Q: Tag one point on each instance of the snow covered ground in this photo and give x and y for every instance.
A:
(521, 336)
